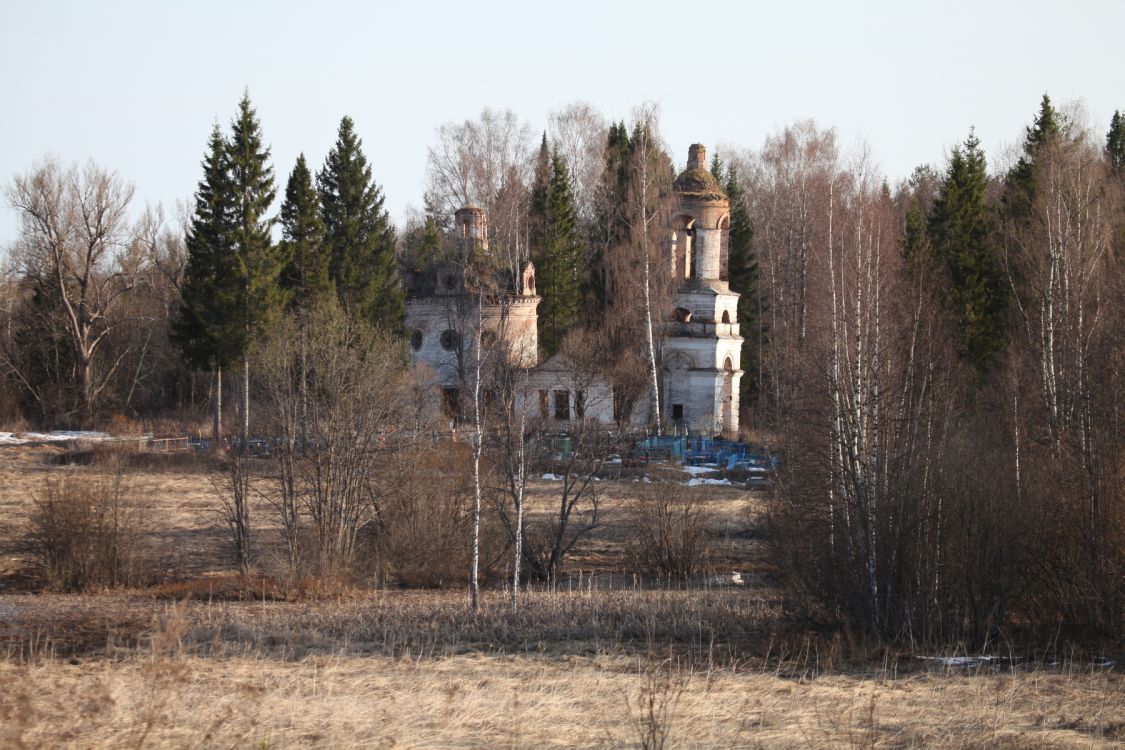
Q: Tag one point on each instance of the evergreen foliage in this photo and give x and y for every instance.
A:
(961, 233)
(1020, 187)
(742, 272)
(615, 210)
(359, 234)
(305, 276)
(537, 200)
(915, 242)
(423, 245)
(259, 260)
(206, 329)
(1115, 141)
(557, 264)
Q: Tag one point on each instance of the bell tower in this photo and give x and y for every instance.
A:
(703, 344)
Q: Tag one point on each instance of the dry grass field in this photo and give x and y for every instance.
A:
(203, 658)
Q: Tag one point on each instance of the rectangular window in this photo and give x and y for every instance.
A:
(451, 402)
(580, 404)
(562, 406)
(677, 411)
(542, 404)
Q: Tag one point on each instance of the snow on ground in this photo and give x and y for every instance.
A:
(58, 436)
(697, 481)
(965, 661)
(696, 470)
(552, 478)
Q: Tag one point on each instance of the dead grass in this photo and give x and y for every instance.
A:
(213, 659)
(172, 700)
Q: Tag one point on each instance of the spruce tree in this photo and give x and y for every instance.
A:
(1020, 185)
(305, 276)
(615, 210)
(962, 238)
(1115, 141)
(206, 329)
(537, 200)
(359, 234)
(915, 241)
(261, 299)
(742, 272)
(557, 269)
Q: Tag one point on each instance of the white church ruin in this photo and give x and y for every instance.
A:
(450, 309)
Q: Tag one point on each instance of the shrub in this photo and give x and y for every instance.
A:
(667, 532)
(423, 536)
(84, 532)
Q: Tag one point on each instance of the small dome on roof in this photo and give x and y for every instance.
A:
(696, 182)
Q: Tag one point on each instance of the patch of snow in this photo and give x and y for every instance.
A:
(552, 478)
(696, 470)
(57, 436)
(964, 661)
(697, 481)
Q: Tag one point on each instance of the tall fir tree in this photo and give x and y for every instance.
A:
(613, 219)
(537, 200)
(1115, 141)
(261, 298)
(557, 269)
(1021, 183)
(359, 234)
(305, 276)
(962, 237)
(742, 272)
(206, 329)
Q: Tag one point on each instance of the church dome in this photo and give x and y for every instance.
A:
(696, 183)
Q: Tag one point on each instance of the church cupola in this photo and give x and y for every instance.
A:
(701, 222)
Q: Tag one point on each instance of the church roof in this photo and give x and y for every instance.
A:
(699, 184)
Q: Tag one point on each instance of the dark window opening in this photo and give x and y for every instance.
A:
(562, 406)
(677, 411)
(416, 340)
(542, 404)
(580, 404)
(726, 316)
(451, 398)
(449, 339)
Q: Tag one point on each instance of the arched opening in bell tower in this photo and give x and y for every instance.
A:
(724, 248)
(683, 246)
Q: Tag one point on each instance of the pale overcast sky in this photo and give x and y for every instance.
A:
(136, 85)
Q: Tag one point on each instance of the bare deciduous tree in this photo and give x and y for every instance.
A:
(73, 236)
(335, 390)
(485, 162)
(577, 132)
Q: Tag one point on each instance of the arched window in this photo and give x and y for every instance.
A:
(683, 246)
(416, 339)
(724, 248)
(726, 317)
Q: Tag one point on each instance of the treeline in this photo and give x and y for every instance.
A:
(103, 314)
(944, 365)
(941, 359)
